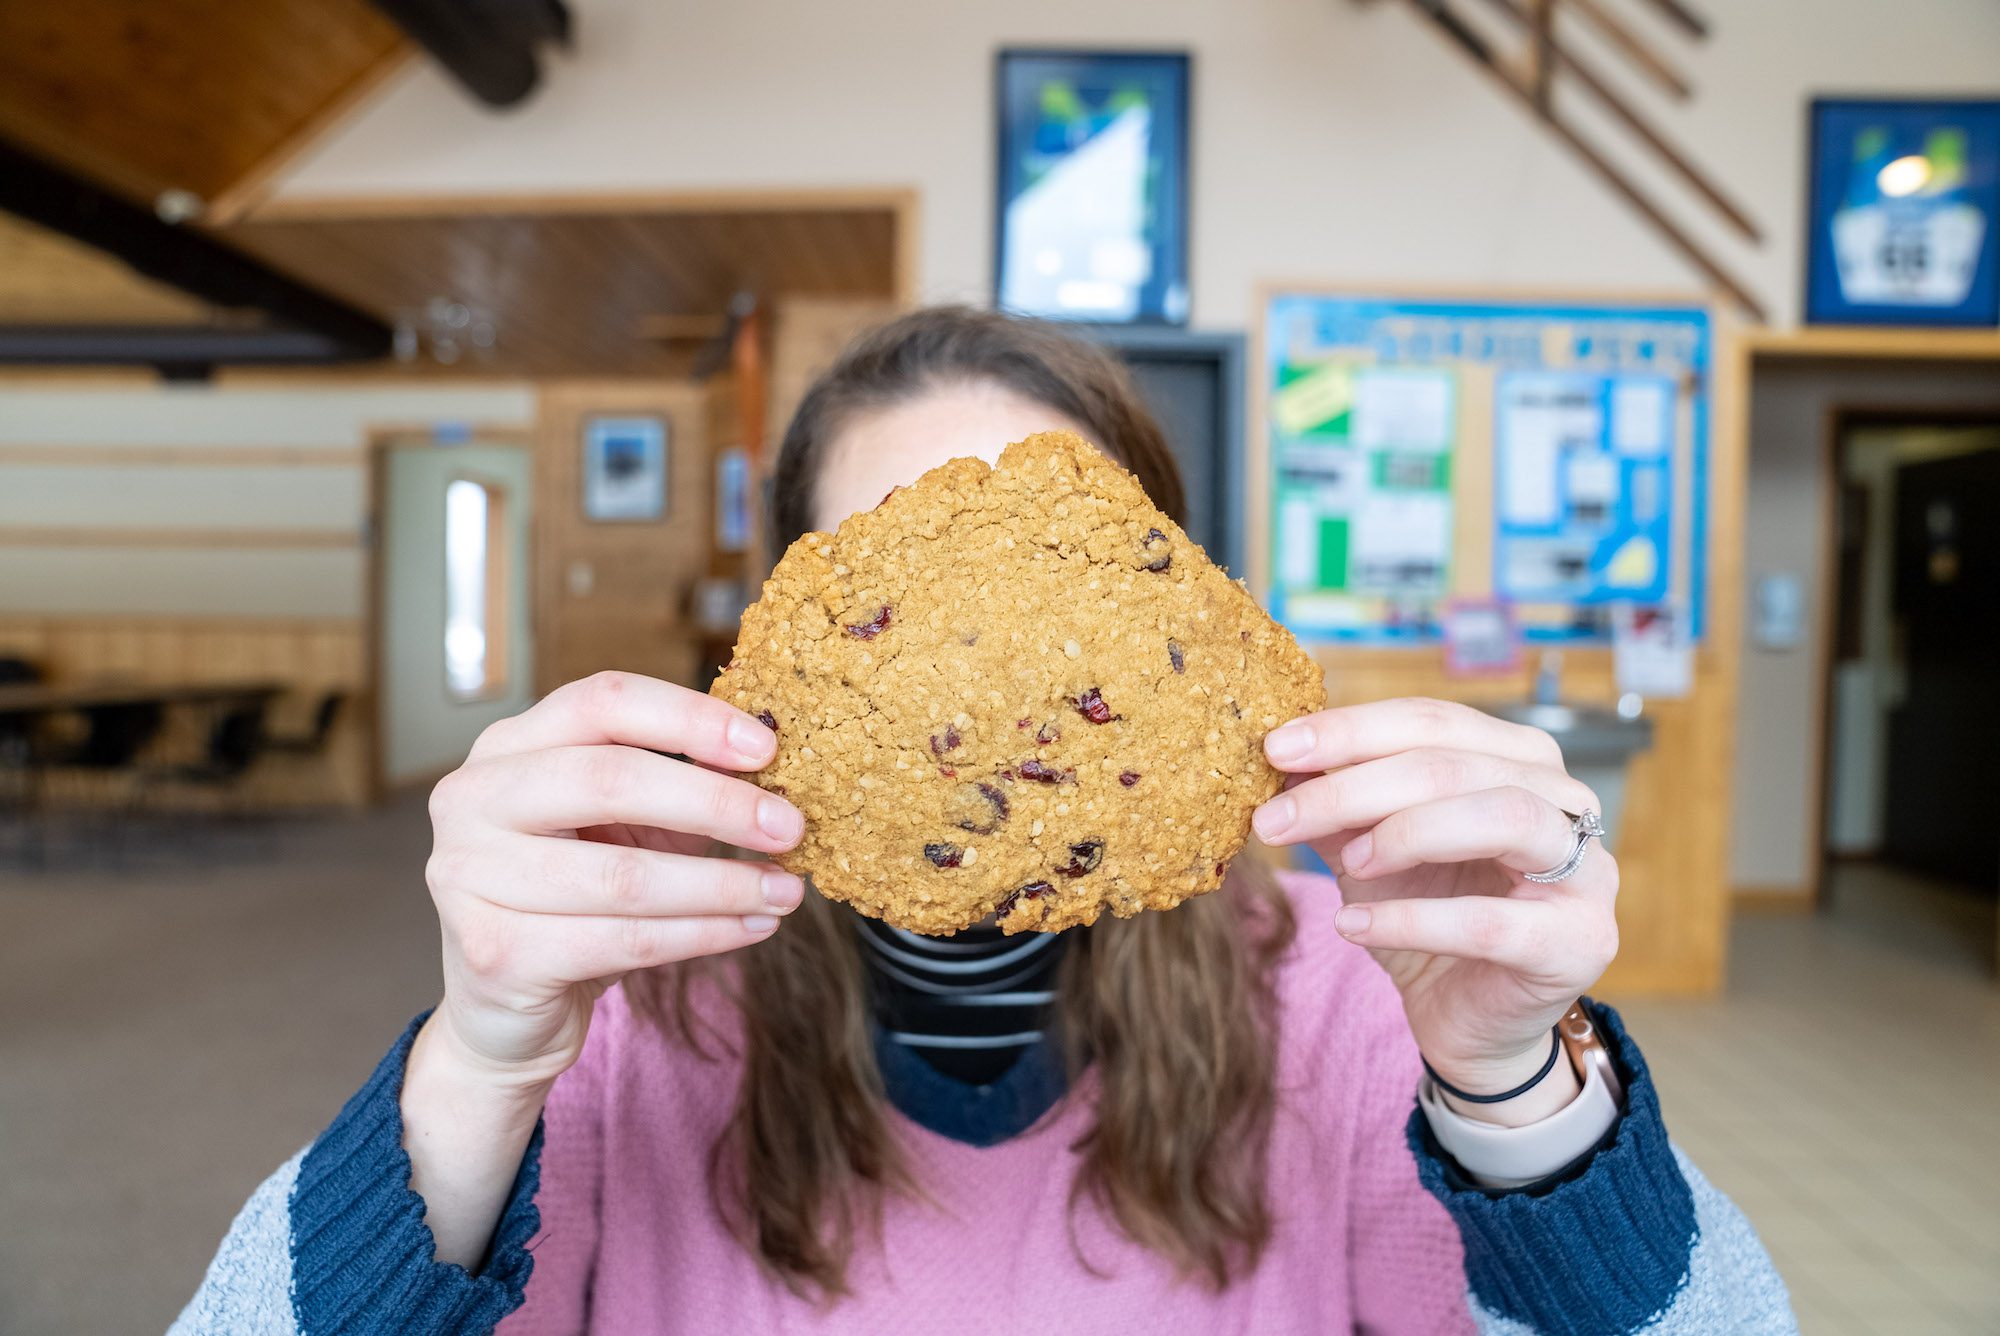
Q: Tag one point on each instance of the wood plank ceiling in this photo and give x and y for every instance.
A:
(574, 292)
(212, 97)
(46, 278)
(148, 96)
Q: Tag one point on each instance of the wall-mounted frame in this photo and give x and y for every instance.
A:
(624, 468)
(1091, 191)
(1903, 212)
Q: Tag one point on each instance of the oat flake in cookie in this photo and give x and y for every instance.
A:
(1018, 690)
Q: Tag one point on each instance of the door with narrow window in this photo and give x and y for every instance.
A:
(452, 599)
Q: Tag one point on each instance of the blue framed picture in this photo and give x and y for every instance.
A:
(1904, 212)
(624, 468)
(1092, 191)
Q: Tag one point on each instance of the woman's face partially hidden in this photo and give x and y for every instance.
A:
(895, 446)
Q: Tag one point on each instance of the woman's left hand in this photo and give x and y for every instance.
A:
(1430, 812)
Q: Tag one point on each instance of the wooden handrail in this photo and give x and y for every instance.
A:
(1440, 13)
(1623, 111)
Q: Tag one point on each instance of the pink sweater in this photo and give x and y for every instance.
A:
(631, 1243)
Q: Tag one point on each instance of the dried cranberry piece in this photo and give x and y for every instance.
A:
(944, 855)
(1035, 890)
(1043, 773)
(1024, 723)
(874, 626)
(948, 772)
(1092, 707)
(768, 720)
(1006, 905)
(1129, 778)
(1175, 657)
(1083, 857)
(1162, 558)
(1218, 869)
(991, 803)
(1047, 733)
(940, 744)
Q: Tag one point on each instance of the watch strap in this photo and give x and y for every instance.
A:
(1512, 1157)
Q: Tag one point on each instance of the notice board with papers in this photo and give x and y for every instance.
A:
(1553, 456)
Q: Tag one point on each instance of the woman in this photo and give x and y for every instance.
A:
(787, 1117)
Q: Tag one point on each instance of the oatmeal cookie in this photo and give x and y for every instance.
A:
(1019, 691)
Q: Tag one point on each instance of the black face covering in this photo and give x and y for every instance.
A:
(969, 1004)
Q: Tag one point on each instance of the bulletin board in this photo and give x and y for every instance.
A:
(1553, 456)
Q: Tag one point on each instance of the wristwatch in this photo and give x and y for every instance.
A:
(1586, 1051)
(1512, 1157)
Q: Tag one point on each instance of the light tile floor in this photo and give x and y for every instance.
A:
(1846, 1093)
(170, 1033)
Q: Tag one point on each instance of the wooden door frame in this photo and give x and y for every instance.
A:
(1841, 420)
(381, 438)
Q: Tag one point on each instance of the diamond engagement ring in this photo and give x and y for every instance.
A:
(1583, 827)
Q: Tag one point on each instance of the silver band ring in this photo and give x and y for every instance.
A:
(1583, 827)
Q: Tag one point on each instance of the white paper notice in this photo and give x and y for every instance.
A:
(1640, 417)
(1593, 479)
(1404, 410)
(1400, 543)
(1298, 544)
(1540, 417)
(1528, 493)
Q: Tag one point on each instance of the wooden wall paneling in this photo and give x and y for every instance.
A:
(634, 614)
(314, 655)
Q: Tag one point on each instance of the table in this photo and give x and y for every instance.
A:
(41, 698)
(24, 767)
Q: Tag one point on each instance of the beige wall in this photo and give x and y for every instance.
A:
(120, 481)
(1332, 140)
(1778, 761)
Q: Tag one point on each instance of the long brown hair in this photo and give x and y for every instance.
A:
(1173, 1015)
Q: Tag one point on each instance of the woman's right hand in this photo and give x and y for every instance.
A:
(569, 852)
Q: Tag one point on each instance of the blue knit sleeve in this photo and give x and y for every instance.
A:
(1628, 1239)
(361, 1253)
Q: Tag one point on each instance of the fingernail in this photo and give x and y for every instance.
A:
(759, 924)
(750, 739)
(1352, 920)
(1290, 742)
(780, 820)
(1355, 856)
(782, 891)
(1275, 817)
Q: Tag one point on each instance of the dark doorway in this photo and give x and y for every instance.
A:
(1942, 813)
(1913, 688)
(1193, 383)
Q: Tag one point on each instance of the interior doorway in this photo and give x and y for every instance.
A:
(452, 609)
(1912, 811)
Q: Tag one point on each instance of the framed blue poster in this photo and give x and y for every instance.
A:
(1904, 203)
(1091, 202)
(624, 468)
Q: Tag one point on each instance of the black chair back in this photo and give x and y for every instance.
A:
(116, 736)
(328, 714)
(237, 740)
